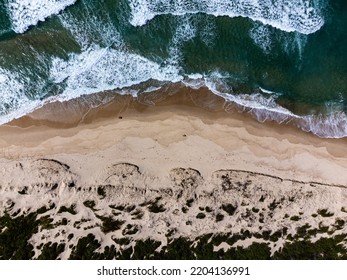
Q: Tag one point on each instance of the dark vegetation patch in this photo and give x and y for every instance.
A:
(70, 236)
(14, 240)
(78, 224)
(23, 191)
(148, 202)
(15, 233)
(90, 204)
(51, 251)
(44, 209)
(101, 192)
(255, 210)
(295, 218)
(261, 218)
(189, 202)
(273, 205)
(323, 228)
(125, 208)
(114, 213)
(64, 222)
(219, 217)
(228, 184)
(323, 249)
(46, 222)
(156, 208)
(229, 208)
(201, 216)
(70, 209)
(145, 249)
(85, 249)
(202, 248)
(122, 241)
(325, 213)
(54, 187)
(303, 232)
(130, 229)
(339, 224)
(137, 215)
(109, 224)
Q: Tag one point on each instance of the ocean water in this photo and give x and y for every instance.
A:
(278, 60)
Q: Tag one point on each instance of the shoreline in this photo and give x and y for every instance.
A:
(235, 140)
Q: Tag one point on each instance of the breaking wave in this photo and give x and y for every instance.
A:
(101, 69)
(303, 16)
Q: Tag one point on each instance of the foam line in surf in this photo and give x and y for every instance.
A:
(78, 70)
(264, 108)
(302, 16)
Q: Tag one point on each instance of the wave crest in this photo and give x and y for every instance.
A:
(303, 16)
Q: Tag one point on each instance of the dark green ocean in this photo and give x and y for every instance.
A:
(282, 60)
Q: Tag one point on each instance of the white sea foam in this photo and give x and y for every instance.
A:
(261, 36)
(151, 89)
(264, 37)
(24, 13)
(99, 69)
(13, 101)
(12, 92)
(88, 29)
(303, 16)
(185, 31)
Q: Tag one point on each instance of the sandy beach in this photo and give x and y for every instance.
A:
(129, 152)
(174, 132)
